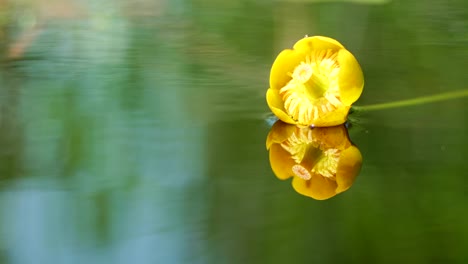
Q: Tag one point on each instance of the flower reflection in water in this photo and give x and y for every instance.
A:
(322, 161)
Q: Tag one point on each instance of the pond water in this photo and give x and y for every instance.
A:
(134, 132)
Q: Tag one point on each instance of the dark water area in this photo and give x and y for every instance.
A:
(134, 132)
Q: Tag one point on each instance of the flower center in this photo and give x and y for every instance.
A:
(299, 144)
(327, 164)
(302, 73)
(313, 89)
(307, 152)
(301, 172)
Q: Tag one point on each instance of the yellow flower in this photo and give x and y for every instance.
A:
(322, 161)
(315, 83)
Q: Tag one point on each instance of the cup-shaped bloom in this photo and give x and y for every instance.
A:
(315, 83)
(322, 161)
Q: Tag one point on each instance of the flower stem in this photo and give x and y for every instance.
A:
(412, 102)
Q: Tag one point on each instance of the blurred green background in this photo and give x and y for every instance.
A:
(134, 132)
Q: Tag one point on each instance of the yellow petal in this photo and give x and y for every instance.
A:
(277, 107)
(332, 137)
(333, 118)
(326, 153)
(348, 168)
(279, 133)
(317, 43)
(281, 162)
(318, 187)
(350, 78)
(283, 66)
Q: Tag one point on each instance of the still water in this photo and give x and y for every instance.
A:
(134, 132)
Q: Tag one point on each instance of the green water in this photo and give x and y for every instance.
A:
(134, 132)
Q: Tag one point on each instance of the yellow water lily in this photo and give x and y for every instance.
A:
(322, 161)
(315, 83)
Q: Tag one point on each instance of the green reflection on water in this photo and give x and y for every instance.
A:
(133, 131)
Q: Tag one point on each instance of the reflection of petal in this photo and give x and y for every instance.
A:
(281, 162)
(348, 168)
(279, 133)
(317, 187)
(322, 161)
(332, 137)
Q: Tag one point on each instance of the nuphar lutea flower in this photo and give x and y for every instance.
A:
(315, 83)
(322, 161)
